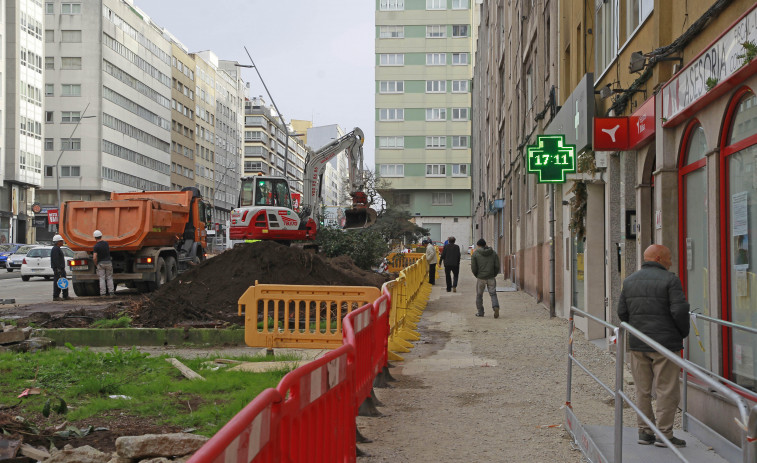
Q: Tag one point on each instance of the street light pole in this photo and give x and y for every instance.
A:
(281, 117)
(62, 149)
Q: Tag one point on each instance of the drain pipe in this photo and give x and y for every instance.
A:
(551, 250)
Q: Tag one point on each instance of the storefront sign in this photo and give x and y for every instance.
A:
(610, 134)
(716, 63)
(551, 158)
(658, 220)
(574, 120)
(641, 125)
(40, 221)
(52, 216)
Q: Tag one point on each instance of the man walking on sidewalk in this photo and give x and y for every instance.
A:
(431, 259)
(652, 300)
(103, 263)
(485, 266)
(58, 264)
(451, 260)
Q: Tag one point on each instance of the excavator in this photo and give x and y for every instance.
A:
(265, 209)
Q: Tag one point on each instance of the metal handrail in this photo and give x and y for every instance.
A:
(719, 321)
(747, 423)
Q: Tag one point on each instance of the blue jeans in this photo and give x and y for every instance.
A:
(491, 286)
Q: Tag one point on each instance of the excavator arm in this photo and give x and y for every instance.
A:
(359, 215)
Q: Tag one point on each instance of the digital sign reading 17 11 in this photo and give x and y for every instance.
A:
(551, 158)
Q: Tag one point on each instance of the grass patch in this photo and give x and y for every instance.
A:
(94, 384)
(121, 322)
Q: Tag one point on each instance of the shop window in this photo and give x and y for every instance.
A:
(739, 204)
(695, 269)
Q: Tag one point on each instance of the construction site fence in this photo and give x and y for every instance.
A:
(397, 261)
(311, 415)
(746, 419)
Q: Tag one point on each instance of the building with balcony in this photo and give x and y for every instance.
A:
(183, 117)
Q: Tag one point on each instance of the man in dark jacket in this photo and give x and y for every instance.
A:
(58, 263)
(652, 300)
(485, 266)
(451, 260)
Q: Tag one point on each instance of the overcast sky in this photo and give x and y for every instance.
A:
(316, 56)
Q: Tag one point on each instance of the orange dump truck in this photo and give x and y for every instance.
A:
(153, 236)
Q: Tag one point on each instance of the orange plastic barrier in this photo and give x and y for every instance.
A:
(299, 316)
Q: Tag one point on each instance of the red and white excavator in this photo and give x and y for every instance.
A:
(265, 209)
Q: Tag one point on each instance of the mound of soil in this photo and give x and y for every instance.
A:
(210, 291)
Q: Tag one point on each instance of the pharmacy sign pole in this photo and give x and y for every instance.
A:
(552, 160)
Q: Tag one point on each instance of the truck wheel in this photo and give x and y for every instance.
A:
(93, 289)
(80, 289)
(160, 275)
(171, 268)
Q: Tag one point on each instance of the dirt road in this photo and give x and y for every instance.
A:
(484, 389)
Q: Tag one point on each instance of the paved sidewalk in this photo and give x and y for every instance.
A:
(483, 389)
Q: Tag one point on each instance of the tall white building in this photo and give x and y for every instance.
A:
(22, 116)
(107, 101)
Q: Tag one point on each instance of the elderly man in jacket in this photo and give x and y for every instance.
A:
(652, 300)
(432, 260)
(485, 267)
(451, 259)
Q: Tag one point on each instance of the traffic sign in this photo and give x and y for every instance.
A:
(551, 158)
(62, 283)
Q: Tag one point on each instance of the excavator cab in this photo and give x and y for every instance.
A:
(359, 215)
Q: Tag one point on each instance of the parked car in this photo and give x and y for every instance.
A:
(14, 261)
(37, 263)
(6, 250)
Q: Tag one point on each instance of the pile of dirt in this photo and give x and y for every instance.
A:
(210, 291)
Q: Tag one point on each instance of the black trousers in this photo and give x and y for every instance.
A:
(450, 270)
(431, 273)
(57, 274)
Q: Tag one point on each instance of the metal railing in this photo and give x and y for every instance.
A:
(747, 420)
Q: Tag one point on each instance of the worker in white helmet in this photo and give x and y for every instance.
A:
(58, 263)
(103, 263)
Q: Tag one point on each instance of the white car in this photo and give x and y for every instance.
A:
(37, 263)
(14, 261)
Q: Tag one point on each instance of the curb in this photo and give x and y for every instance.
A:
(144, 337)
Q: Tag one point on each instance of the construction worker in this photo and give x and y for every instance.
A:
(103, 263)
(58, 263)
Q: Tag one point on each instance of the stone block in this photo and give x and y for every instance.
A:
(9, 337)
(159, 445)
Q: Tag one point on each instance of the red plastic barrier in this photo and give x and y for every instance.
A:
(310, 416)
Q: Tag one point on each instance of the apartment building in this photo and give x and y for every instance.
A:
(424, 64)
(22, 118)
(205, 110)
(658, 99)
(183, 117)
(108, 102)
(335, 186)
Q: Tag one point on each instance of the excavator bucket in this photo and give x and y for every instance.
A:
(359, 217)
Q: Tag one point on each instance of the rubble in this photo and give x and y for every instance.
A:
(159, 445)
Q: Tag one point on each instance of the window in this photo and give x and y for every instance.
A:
(49, 171)
(392, 86)
(441, 198)
(636, 12)
(436, 142)
(436, 59)
(69, 171)
(391, 5)
(436, 114)
(436, 170)
(460, 30)
(49, 90)
(391, 114)
(48, 117)
(392, 170)
(459, 114)
(391, 142)
(436, 86)
(392, 32)
(459, 141)
(606, 30)
(459, 86)
(70, 36)
(70, 89)
(70, 8)
(70, 116)
(49, 8)
(392, 59)
(459, 59)
(529, 88)
(70, 62)
(49, 35)
(460, 4)
(459, 170)
(436, 32)
(436, 4)
(70, 144)
(49, 62)
(49, 144)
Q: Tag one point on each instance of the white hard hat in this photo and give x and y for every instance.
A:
(97, 234)
(57, 238)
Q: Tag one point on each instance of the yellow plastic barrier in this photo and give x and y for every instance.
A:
(409, 296)
(305, 317)
(401, 260)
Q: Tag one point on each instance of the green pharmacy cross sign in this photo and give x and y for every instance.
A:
(551, 158)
